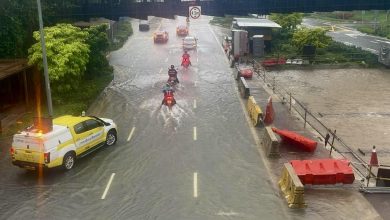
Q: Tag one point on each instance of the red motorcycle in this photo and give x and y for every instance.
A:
(168, 100)
(186, 62)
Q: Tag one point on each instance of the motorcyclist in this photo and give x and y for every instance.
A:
(167, 88)
(173, 73)
(168, 91)
(185, 57)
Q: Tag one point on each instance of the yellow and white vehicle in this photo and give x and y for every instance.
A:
(71, 138)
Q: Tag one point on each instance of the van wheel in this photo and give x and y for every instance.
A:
(111, 138)
(69, 161)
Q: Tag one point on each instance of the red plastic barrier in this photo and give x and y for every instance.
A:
(296, 139)
(323, 171)
(247, 73)
(273, 62)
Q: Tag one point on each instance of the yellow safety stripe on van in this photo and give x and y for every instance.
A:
(55, 163)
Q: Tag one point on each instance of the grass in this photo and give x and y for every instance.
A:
(364, 21)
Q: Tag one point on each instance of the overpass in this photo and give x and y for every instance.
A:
(114, 9)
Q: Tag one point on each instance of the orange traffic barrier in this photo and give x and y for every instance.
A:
(269, 112)
(296, 139)
(323, 171)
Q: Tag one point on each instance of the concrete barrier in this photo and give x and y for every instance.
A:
(244, 88)
(292, 187)
(270, 143)
(254, 111)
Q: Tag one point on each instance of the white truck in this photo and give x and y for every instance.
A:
(70, 138)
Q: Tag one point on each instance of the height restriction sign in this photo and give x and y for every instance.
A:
(195, 12)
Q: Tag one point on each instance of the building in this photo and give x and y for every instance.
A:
(256, 26)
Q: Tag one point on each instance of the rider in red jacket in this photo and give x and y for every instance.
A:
(186, 57)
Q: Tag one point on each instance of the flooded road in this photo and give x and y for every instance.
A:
(355, 102)
(195, 161)
(198, 160)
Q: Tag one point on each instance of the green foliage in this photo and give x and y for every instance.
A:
(124, 30)
(67, 55)
(11, 35)
(98, 42)
(287, 21)
(315, 37)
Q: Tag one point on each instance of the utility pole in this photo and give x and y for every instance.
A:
(45, 69)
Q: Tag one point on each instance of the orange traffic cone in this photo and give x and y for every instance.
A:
(269, 112)
(374, 158)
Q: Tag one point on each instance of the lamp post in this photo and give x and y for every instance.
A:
(45, 69)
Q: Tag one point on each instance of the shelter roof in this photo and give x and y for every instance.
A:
(256, 22)
(9, 67)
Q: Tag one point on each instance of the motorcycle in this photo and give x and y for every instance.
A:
(169, 99)
(185, 62)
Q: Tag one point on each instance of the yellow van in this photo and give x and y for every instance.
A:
(71, 138)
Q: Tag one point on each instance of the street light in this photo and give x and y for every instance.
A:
(45, 69)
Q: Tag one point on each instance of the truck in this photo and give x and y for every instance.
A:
(69, 138)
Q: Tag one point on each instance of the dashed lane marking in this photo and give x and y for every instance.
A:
(194, 103)
(195, 185)
(160, 70)
(195, 135)
(108, 186)
(131, 134)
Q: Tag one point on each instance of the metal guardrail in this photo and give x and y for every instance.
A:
(336, 143)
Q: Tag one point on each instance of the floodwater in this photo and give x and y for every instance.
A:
(355, 102)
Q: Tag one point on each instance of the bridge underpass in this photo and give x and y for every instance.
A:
(114, 9)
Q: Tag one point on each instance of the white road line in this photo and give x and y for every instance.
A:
(195, 136)
(194, 103)
(195, 185)
(160, 70)
(375, 42)
(166, 59)
(131, 134)
(108, 186)
(195, 83)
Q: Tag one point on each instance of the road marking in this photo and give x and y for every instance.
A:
(160, 70)
(131, 134)
(375, 42)
(166, 59)
(195, 136)
(194, 103)
(195, 185)
(108, 186)
(195, 83)
(219, 43)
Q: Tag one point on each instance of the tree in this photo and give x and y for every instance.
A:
(67, 55)
(287, 21)
(315, 37)
(98, 41)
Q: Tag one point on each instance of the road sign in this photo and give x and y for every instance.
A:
(195, 12)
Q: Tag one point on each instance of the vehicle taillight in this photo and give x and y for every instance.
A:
(12, 150)
(46, 157)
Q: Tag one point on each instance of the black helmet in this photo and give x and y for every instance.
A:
(172, 66)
